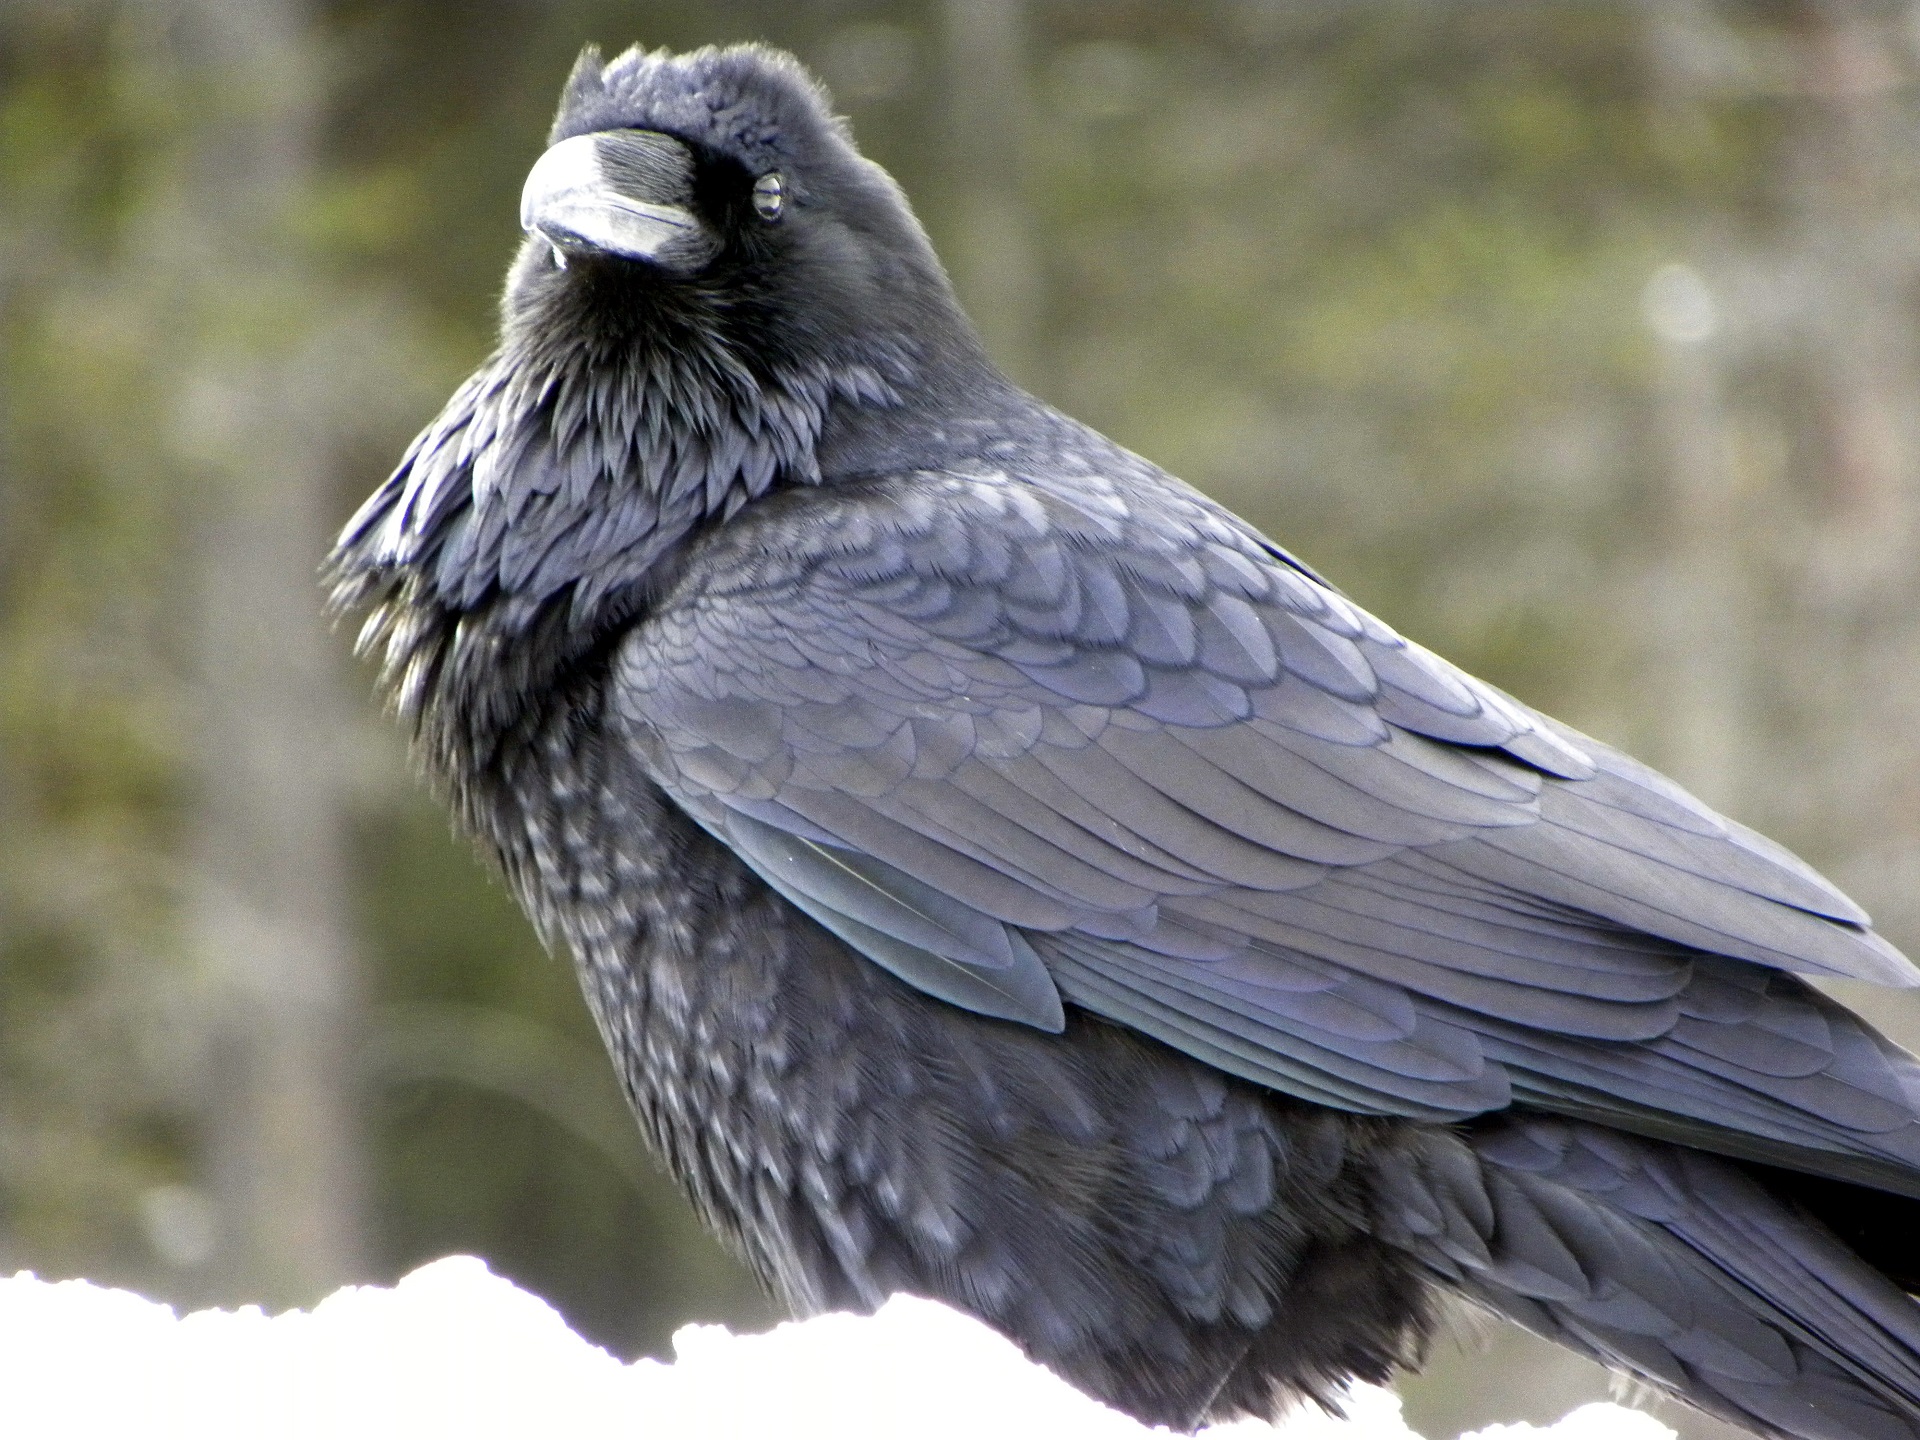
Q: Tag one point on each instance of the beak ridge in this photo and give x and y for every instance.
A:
(617, 192)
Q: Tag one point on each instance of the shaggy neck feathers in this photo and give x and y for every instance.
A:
(545, 503)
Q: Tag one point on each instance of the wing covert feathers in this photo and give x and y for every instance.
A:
(1080, 714)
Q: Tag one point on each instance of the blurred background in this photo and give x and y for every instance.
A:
(1577, 340)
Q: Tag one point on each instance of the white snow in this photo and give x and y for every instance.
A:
(456, 1351)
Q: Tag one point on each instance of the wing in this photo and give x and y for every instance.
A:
(1080, 733)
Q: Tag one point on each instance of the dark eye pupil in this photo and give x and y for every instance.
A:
(769, 194)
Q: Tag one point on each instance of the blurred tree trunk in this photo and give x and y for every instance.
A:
(1704, 611)
(995, 261)
(1847, 183)
(1850, 182)
(269, 910)
(1701, 618)
(1792, 649)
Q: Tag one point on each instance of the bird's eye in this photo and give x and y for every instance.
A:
(769, 195)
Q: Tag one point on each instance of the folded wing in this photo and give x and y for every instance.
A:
(1089, 737)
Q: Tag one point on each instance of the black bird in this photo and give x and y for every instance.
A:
(1001, 874)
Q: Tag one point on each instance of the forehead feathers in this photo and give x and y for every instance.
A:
(749, 101)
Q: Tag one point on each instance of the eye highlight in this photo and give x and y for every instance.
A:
(769, 196)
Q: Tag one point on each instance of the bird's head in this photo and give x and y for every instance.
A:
(717, 297)
(714, 196)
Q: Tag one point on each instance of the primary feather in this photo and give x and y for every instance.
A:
(1000, 873)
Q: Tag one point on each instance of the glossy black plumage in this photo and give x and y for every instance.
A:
(1000, 873)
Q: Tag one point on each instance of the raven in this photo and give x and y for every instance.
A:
(999, 873)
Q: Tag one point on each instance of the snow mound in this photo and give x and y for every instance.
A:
(456, 1351)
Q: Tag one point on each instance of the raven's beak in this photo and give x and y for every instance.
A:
(618, 192)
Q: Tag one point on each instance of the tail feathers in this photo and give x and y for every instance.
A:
(1670, 1264)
